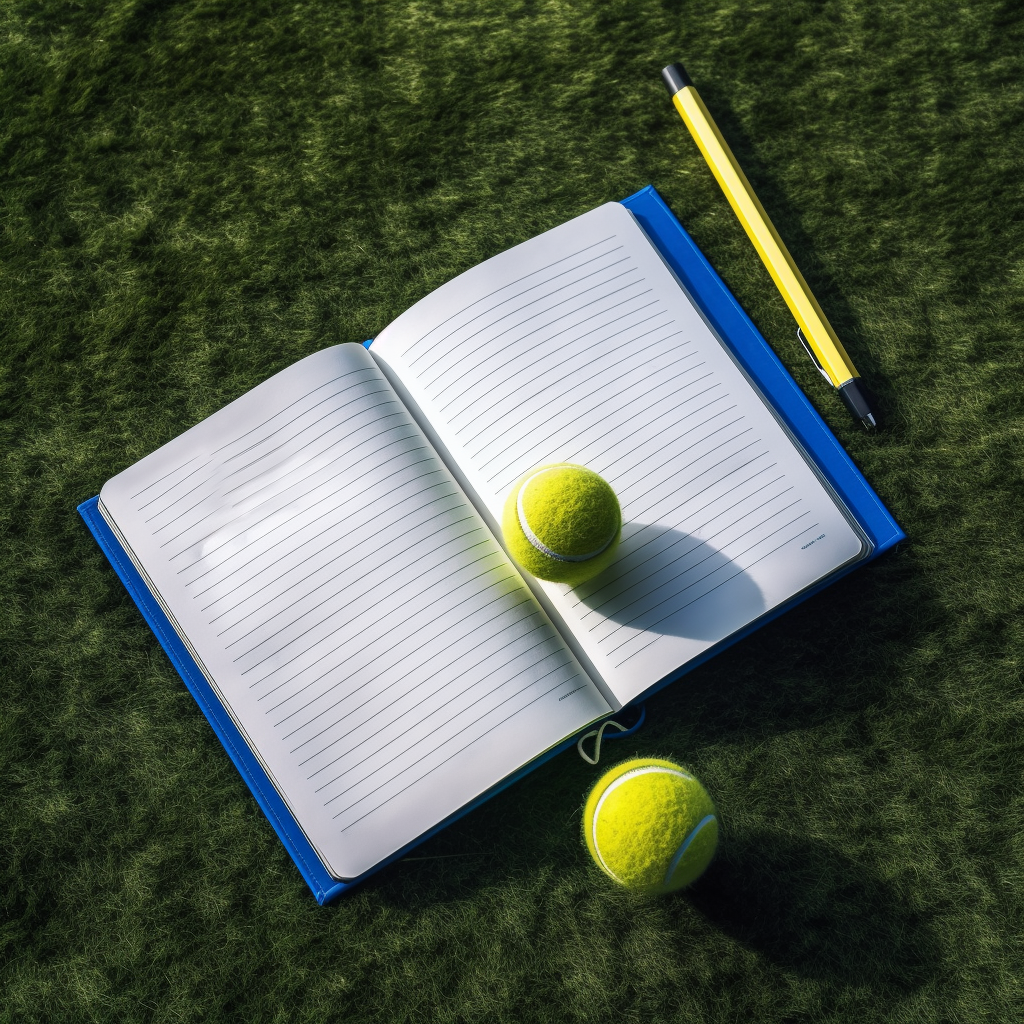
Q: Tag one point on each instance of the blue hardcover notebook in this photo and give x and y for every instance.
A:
(321, 560)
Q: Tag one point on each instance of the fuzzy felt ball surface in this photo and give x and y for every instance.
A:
(562, 523)
(650, 826)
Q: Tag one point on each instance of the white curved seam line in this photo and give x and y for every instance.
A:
(686, 845)
(632, 773)
(537, 542)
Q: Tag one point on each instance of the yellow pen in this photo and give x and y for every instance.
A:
(814, 330)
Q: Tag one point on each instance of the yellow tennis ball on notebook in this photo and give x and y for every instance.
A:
(562, 523)
(650, 826)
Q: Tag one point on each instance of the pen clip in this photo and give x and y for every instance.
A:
(814, 358)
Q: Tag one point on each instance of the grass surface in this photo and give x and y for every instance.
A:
(197, 194)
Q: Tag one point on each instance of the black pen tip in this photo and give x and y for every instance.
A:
(858, 399)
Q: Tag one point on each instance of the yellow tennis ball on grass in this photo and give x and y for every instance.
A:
(650, 826)
(562, 523)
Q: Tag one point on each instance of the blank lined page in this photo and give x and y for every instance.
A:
(581, 346)
(367, 634)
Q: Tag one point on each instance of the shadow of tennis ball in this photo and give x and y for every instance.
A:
(816, 910)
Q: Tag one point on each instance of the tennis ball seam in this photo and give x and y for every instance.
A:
(613, 785)
(685, 845)
(536, 541)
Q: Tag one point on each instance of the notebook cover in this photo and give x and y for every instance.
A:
(709, 293)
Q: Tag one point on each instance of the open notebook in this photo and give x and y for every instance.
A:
(326, 547)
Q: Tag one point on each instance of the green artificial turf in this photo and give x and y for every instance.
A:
(197, 194)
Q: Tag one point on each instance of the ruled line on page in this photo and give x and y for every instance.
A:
(628, 563)
(451, 756)
(313, 499)
(615, 627)
(596, 357)
(284, 409)
(296, 596)
(288, 585)
(415, 665)
(676, 610)
(465, 370)
(332, 524)
(349, 659)
(630, 460)
(534, 438)
(219, 476)
(490, 335)
(295, 657)
(622, 594)
(395, 755)
(664, 520)
(503, 471)
(594, 350)
(563, 661)
(660, 407)
(385, 544)
(609, 377)
(615, 383)
(357, 545)
(227, 538)
(696, 540)
(511, 284)
(623, 601)
(527, 352)
(329, 415)
(423, 700)
(388, 409)
(647, 427)
(217, 507)
(537, 340)
(360, 385)
(292, 588)
(239, 516)
(178, 483)
(475, 594)
(164, 476)
(317, 496)
(379, 594)
(375, 770)
(440, 341)
(715, 449)
(309, 460)
(438, 669)
(451, 350)
(542, 429)
(236, 440)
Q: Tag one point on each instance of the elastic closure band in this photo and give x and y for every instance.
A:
(624, 731)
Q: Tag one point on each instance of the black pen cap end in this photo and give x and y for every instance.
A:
(675, 78)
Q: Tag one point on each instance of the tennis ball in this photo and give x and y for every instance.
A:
(650, 826)
(562, 523)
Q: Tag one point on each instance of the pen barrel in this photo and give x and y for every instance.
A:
(760, 230)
